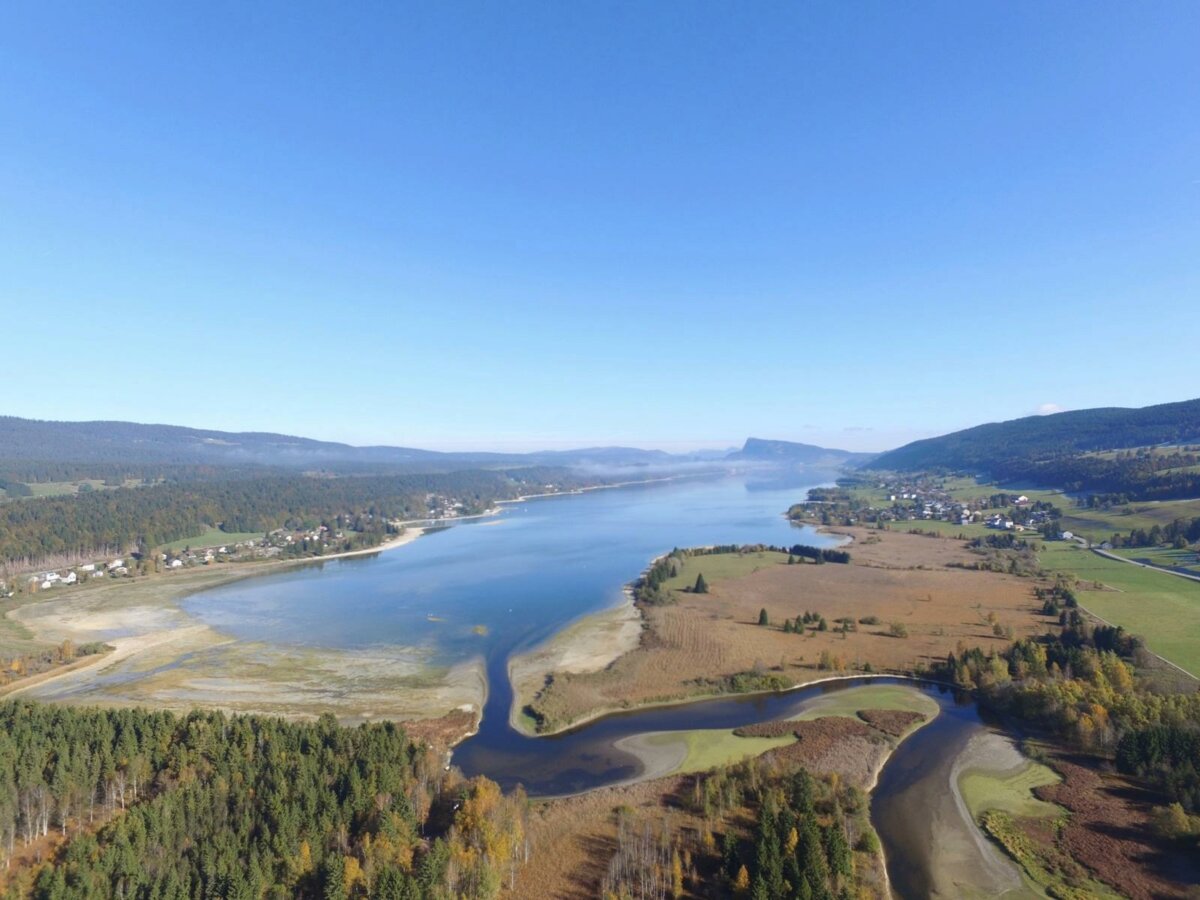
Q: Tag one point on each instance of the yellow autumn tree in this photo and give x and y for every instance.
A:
(676, 875)
(741, 884)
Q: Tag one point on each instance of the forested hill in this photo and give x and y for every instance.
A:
(64, 530)
(29, 446)
(995, 448)
(789, 453)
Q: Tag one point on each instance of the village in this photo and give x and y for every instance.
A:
(927, 499)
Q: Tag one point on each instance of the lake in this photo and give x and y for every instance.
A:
(490, 587)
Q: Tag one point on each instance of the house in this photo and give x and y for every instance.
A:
(46, 585)
(116, 564)
(175, 563)
(1068, 536)
(88, 567)
(70, 579)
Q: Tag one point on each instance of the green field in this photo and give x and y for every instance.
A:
(1099, 525)
(849, 701)
(1011, 791)
(708, 748)
(1164, 556)
(961, 488)
(61, 488)
(1162, 608)
(213, 537)
(722, 567)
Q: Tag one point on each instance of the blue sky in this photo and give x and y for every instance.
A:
(669, 224)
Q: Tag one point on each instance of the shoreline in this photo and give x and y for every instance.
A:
(700, 698)
(655, 769)
(590, 643)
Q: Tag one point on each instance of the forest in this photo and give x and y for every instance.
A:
(114, 521)
(151, 805)
(1080, 686)
(767, 832)
(995, 446)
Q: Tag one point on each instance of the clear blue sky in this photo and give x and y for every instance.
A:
(670, 224)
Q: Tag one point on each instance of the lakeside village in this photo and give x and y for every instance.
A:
(928, 500)
(348, 531)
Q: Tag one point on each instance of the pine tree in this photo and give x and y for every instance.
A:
(763, 618)
(701, 585)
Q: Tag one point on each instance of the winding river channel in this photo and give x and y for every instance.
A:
(497, 586)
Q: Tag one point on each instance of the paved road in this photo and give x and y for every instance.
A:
(1134, 562)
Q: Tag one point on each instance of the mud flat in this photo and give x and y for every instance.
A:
(163, 658)
(589, 645)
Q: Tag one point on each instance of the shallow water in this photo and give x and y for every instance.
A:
(522, 575)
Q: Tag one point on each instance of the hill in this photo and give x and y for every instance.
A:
(995, 448)
(131, 444)
(789, 453)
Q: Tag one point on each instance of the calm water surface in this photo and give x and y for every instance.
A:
(517, 577)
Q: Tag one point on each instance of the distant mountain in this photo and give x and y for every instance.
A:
(789, 453)
(986, 448)
(128, 443)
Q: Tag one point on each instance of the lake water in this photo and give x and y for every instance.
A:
(490, 587)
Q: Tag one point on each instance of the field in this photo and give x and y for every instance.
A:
(1099, 525)
(213, 537)
(1162, 608)
(871, 696)
(1010, 791)
(706, 748)
(909, 580)
(1167, 558)
(945, 529)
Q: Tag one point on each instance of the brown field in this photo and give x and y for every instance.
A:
(1110, 832)
(836, 744)
(893, 722)
(896, 577)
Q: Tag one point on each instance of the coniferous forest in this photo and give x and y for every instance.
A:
(152, 805)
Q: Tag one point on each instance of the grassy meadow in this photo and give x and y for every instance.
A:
(1162, 608)
(213, 537)
(722, 567)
